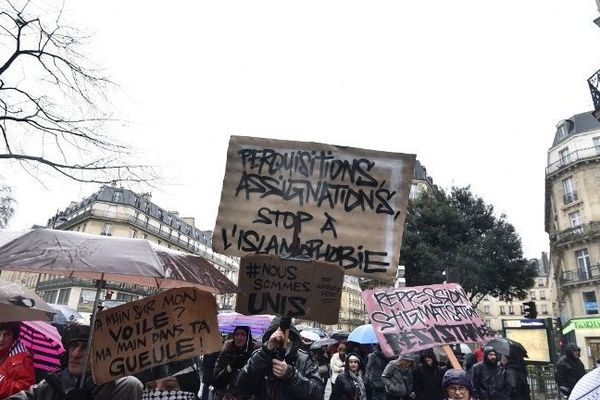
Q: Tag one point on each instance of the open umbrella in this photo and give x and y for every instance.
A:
(364, 334)
(258, 323)
(588, 387)
(65, 314)
(43, 342)
(323, 342)
(18, 303)
(340, 336)
(508, 347)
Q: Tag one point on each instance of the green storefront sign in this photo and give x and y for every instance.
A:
(584, 323)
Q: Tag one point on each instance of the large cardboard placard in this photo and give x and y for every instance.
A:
(308, 290)
(415, 318)
(174, 325)
(349, 203)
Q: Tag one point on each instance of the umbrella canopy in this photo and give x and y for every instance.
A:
(364, 334)
(43, 342)
(323, 342)
(65, 314)
(258, 323)
(136, 261)
(508, 347)
(18, 303)
(588, 387)
(340, 336)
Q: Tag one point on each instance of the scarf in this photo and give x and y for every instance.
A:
(360, 385)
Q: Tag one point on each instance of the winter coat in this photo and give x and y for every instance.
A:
(488, 381)
(376, 363)
(569, 369)
(515, 373)
(345, 387)
(398, 383)
(301, 380)
(235, 358)
(427, 380)
(336, 365)
(16, 371)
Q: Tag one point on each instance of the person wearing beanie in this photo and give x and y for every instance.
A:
(456, 385)
(232, 358)
(66, 382)
(279, 369)
(488, 377)
(350, 384)
(569, 369)
(427, 378)
(398, 378)
(16, 363)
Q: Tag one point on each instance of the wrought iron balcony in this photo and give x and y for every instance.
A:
(576, 233)
(570, 197)
(572, 158)
(64, 282)
(592, 273)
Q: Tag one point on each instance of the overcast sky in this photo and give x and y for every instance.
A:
(473, 88)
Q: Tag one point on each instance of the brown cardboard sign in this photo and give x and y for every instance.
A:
(347, 205)
(174, 325)
(303, 289)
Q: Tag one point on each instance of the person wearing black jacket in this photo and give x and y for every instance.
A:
(232, 358)
(349, 385)
(488, 377)
(427, 378)
(569, 369)
(376, 363)
(515, 372)
(279, 370)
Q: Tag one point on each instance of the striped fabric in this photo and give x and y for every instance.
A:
(42, 340)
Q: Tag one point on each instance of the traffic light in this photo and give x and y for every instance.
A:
(529, 310)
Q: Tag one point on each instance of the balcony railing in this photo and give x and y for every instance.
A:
(579, 232)
(591, 273)
(59, 283)
(573, 157)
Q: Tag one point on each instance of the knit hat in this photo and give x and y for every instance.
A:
(457, 377)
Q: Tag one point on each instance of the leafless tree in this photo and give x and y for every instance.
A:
(7, 202)
(53, 100)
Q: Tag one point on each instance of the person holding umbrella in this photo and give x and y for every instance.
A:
(16, 363)
(515, 372)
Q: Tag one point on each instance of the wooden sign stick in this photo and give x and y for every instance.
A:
(451, 356)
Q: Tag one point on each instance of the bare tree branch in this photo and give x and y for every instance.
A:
(53, 101)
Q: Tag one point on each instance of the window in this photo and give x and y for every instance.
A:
(575, 218)
(63, 296)
(596, 141)
(522, 309)
(583, 264)
(532, 295)
(117, 197)
(542, 295)
(541, 282)
(488, 322)
(502, 310)
(590, 304)
(145, 236)
(107, 230)
(126, 297)
(570, 193)
(134, 233)
(544, 309)
(486, 309)
(414, 191)
(511, 310)
(112, 211)
(564, 156)
(50, 296)
(83, 228)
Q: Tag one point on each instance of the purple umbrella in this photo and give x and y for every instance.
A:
(258, 323)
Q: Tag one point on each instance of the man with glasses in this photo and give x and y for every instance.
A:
(569, 369)
(457, 385)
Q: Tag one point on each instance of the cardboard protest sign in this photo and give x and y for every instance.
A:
(174, 325)
(415, 318)
(308, 290)
(347, 204)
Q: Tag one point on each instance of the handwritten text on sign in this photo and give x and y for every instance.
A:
(175, 325)
(415, 318)
(308, 290)
(347, 204)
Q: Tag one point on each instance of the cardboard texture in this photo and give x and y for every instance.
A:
(411, 319)
(348, 204)
(174, 325)
(308, 290)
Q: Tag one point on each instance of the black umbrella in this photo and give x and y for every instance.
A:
(508, 347)
(323, 342)
(340, 336)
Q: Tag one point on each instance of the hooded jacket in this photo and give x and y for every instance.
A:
(427, 379)
(488, 378)
(569, 369)
(516, 379)
(398, 382)
(233, 357)
(345, 387)
(300, 381)
(375, 365)
(457, 377)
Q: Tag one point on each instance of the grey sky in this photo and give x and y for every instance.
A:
(474, 88)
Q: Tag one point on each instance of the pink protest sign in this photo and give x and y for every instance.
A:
(415, 318)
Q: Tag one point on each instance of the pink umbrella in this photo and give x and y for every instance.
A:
(258, 323)
(43, 342)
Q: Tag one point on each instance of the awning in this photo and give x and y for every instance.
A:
(581, 323)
